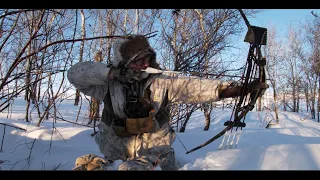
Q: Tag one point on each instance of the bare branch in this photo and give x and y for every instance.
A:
(73, 122)
(13, 126)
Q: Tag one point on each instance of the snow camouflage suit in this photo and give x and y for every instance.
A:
(139, 151)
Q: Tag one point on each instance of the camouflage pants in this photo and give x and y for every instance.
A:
(139, 152)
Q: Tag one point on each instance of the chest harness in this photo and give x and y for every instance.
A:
(138, 109)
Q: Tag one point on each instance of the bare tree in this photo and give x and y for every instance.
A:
(309, 54)
(194, 39)
(312, 33)
(83, 35)
(293, 63)
(95, 103)
(190, 41)
(136, 22)
(274, 56)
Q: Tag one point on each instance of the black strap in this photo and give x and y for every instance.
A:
(108, 114)
(109, 117)
(163, 114)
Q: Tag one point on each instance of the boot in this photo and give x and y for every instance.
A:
(90, 162)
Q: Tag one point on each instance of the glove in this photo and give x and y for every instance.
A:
(234, 89)
(256, 84)
(126, 75)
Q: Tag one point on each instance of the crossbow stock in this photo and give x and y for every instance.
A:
(256, 36)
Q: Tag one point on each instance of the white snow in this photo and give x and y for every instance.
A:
(293, 144)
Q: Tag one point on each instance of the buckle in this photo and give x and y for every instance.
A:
(133, 99)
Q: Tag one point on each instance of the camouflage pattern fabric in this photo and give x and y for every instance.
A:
(144, 150)
(139, 152)
(139, 163)
(166, 162)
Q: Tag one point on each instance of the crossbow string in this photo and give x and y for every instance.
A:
(256, 36)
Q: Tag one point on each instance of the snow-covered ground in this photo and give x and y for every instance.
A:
(293, 144)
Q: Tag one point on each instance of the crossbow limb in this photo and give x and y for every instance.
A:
(256, 36)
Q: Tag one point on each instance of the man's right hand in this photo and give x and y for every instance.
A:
(125, 75)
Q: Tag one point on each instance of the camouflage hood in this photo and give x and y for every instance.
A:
(133, 47)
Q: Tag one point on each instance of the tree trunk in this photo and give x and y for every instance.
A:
(294, 96)
(94, 110)
(95, 103)
(275, 105)
(313, 100)
(318, 97)
(298, 103)
(136, 22)
(184, 125)
(77, 98)
(206, 106)
(313, 113)
(284, 102)
(83, 31)
(125, 21)
(307, 97)
(189, 111)
(109, 32)
(206, 112)
(259, 103)
(28, 92)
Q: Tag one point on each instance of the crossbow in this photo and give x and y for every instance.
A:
(256, 36)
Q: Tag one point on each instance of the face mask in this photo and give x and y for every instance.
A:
(141, 54)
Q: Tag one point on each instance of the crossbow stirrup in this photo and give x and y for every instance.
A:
(256, 36)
